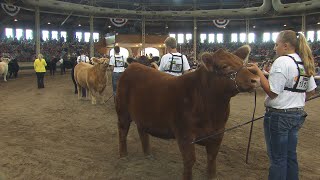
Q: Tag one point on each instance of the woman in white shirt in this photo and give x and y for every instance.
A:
(290, 83)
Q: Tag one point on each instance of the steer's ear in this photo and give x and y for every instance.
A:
(95, 60)
(104, 60)
(207, 61)
(243, 52)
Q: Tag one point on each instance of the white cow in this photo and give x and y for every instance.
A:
(4, 67)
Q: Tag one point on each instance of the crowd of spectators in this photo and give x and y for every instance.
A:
(259, 51)
(24, 50)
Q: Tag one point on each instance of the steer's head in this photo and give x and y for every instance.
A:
(104, 61)
(230, 69)
(6, 60)
(101, 61)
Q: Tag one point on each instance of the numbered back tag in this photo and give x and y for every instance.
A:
(303, 82)
(119, 63)
(176, 64)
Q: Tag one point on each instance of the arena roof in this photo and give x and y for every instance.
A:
(271, 19)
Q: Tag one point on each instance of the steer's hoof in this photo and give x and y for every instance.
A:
(125, 158)
(213, 178)
(150, 157)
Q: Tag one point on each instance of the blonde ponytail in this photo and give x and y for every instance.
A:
(305, 54)
(40, 56)
(299, 42)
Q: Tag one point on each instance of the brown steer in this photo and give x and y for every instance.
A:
(97, 79)
(185, 107)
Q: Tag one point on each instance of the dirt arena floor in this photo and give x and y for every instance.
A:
(50, 134)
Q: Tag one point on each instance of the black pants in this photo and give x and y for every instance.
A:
(40, 77)
(52, 69)
(62, 69)
(74, 81)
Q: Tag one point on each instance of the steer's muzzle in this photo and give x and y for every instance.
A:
(255, 81)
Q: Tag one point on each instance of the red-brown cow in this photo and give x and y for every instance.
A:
(185, 107)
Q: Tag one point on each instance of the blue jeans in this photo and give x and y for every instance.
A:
(281, 135)
(115, 79)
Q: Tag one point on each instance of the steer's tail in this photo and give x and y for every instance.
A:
(121, 100)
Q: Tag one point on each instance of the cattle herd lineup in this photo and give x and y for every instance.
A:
(144, 95)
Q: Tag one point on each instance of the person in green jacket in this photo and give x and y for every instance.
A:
(40, 68)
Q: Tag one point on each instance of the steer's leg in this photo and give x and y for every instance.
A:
(5, 77)
(123, 128)
(88, 94)
(93, 97)
(144, 137)
(79, 91)
(188, 155)
(212, 151)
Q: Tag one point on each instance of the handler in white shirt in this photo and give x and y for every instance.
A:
(117, 62)
(83, 58)
(173, 63)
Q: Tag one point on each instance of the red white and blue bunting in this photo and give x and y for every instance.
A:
(10, 9)
(119, 22)
(221, 23)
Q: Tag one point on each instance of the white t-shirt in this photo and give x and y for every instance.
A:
(83, 58)
(166, 62)
(281, 75)
(121, 60)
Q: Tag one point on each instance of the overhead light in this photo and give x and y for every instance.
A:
(224, 27)
(15, 19)
(49, 23)
(79, 25)
(254, 26)
(285, 25)
(109, 26)
(318, 23)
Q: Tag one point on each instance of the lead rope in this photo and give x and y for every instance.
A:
(251, 128)
(237, 126)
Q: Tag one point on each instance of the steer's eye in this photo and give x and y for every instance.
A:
(224, 66)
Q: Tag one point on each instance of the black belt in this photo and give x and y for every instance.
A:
(269, 109)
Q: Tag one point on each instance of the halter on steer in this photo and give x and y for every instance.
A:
(232, 76)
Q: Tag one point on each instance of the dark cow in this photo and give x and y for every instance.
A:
(69, 64)
(193, 105)
(13, 68)
(52, 65)
(145, 61)
(73, 63)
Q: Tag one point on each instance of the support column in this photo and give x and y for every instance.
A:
(37, 31)
(303, 24)
(195, 39)
(143, 29)
(91, 37)
(247, 30)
